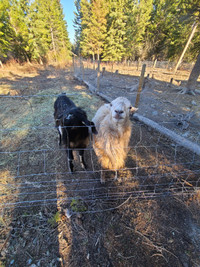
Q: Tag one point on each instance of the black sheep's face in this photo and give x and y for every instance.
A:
(74, 117)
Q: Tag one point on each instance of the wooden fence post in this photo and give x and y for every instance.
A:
(103, 70)
(154, 64)
(73, 63)
(98, 76)
(83, 71)
(141, 81)
(138, 64)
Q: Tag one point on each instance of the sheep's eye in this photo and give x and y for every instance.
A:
(130, 107)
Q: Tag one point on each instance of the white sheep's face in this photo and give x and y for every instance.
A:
(121, 108)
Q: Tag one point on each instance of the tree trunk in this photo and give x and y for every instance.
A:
(186, 46)
(93, 58)
(194, 75)
(53, 43)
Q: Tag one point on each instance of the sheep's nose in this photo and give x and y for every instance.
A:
(119, 111)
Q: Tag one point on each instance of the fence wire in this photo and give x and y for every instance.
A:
(34, 169)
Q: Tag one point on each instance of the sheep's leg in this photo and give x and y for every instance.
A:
(103, 180)
(60, 139)
(60, 135)
(70, 159)
(81, 156)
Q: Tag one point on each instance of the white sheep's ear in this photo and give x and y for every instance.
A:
(133, 109)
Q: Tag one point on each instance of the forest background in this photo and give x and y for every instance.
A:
(110, 30)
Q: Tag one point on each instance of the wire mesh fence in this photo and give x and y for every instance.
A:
(35, 172)
(49, 214)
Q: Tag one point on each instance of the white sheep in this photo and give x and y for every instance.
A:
(114, 131)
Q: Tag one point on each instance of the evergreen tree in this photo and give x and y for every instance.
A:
(98, 25)
(19, 21)
(86, 46)
(114, 48)
(33, 30)
(5, 29)
(77, 25)
(189, 14)
(138, 14)
(49, 30)
(170, 27)
(157, 31)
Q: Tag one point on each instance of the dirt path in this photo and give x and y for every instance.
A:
(149, 217)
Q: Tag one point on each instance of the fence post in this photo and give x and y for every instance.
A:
(154, 65)
(80, 64)
(73, 64)
(141, 81)
(83, 71)
(93, 64)
(98, 76)
(103, 70)
(138, 64)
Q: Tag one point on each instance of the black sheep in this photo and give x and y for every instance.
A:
(73, 127)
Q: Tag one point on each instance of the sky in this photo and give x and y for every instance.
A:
(68, 10)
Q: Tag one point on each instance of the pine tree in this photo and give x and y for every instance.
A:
(138, 14)
(114, 48)
(18, 15)
(49, 30)
(98, 25)
(168, 31)
(77, 25)
(86, 46)
(39, 33)
(5, 29)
